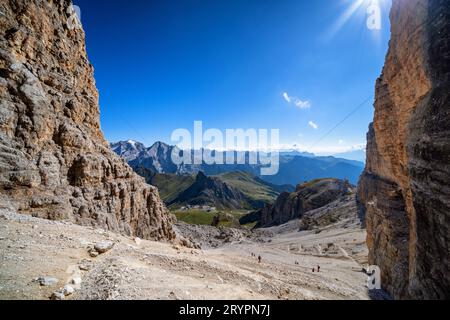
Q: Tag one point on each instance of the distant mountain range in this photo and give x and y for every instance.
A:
(357, 155)
(295, 167)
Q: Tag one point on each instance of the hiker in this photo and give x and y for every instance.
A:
(259, 259)
(314, 270)
(318, 268)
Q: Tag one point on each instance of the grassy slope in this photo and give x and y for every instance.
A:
(195, 217)
(206, 218)
(253, 187)
(170, 185)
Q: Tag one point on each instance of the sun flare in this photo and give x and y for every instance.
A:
(372, 9)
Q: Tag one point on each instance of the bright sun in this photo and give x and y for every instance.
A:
(371, 8)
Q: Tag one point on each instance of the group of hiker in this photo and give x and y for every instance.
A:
(296, 262)
(259, 257)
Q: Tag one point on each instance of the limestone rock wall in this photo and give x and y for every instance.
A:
(307, 197)
(405, 189)
(54, 160)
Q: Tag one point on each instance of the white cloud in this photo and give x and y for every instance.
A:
(341, 141)
(302, 104)
(360, 146)
(313, 125)
(299, 103)
(286, 97)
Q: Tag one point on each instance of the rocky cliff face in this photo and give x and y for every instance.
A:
(307, 197)
(54, 160)
(405, 189)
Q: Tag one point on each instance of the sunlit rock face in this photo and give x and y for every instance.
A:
(405, 189)
(54, 160)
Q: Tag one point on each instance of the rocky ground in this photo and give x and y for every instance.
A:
(40, 259)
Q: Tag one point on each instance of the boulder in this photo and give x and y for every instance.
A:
(104, 246)
(47, 281)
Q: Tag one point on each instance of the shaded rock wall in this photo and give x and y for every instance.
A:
(405, 189)
(307, 197)
(54, 160)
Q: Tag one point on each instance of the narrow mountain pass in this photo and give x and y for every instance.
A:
(33, 249)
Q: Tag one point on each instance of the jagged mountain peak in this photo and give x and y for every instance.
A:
(201, 177)
(129, 150)
(130, 144)
(160, 149)
(160, 144)
(211, 191)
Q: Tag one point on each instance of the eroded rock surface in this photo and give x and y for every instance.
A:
(405, 190)
(54, 160)
(307, 197)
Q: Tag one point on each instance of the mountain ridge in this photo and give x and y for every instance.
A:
(211, 191)
(241, 190)
(294, 167)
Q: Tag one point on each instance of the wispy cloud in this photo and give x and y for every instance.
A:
(302, 104)
(313, 125)
(299, 103)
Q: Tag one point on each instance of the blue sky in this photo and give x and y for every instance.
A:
(161, 65)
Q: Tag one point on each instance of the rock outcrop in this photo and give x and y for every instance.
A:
(213, 192)
(405, 189)
(54, 160)
(307, 197)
